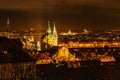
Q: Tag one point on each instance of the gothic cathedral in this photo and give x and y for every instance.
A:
(51, 37)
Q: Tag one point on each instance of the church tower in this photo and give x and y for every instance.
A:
(55, 34)
(7, 28)
(8, 23)
(49, 28)
(51, 38)
(54, 29)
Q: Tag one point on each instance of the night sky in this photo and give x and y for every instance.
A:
(68, 14)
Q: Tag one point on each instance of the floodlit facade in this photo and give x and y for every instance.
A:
(63, 54)
(51, 37)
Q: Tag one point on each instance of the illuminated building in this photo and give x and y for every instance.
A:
(68, 33)
(29, 42)
(7, 28)
(38, 46)
(51, 37)
(63, 54)
(55, 34)
(85, 31)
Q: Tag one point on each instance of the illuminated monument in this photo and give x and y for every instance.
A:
(50, 39)
(7, 28)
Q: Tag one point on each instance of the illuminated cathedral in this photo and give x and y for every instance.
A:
(50, 39)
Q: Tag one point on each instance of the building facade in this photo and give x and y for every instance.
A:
(50, 38)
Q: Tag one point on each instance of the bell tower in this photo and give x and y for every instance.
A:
(49, 28)
(55, 34)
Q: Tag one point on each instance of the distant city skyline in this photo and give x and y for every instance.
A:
(68, 14)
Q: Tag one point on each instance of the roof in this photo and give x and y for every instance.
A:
(11, 52)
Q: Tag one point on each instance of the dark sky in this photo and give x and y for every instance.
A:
(68, 14)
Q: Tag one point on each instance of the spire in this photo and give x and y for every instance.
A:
(49, 29)
(8, 22)
(7, 28)
(54, 29)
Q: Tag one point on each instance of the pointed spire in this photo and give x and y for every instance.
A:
(49, 29)
(48, 23)
(8, 22)
(7, 28)
(54, 28)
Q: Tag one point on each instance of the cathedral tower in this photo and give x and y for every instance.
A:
(49, 28)
(8, 23)
(55, 34)
(54, 29)
(7, 28)
(51, 38)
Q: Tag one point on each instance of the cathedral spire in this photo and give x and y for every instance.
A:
(54, 29)
(49, 29)
(7, 27)
(8, 22)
